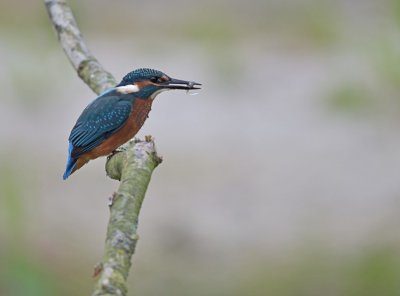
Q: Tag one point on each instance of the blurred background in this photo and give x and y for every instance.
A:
(280, 178)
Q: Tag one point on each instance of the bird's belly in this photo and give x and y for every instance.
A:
(136, 119)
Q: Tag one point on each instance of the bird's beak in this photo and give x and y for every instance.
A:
(180, 84)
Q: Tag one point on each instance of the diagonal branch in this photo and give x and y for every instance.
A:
(133, 167)
(85, 64)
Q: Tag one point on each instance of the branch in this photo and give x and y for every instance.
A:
(84, 63)
(133, 167)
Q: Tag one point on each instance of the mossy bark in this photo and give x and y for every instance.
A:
(133, 168)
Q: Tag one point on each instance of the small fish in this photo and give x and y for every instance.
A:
(191, 84)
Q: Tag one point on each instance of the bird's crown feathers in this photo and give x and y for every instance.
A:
(140, 74)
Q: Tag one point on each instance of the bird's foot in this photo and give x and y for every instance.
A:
(122, 148)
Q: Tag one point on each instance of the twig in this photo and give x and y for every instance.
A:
(133, 167)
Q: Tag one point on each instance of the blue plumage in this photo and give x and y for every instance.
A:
(70, 163)
(110, 120)
(100, 119)
(140, 74)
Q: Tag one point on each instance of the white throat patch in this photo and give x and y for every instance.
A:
(156, 93)
(127, 89)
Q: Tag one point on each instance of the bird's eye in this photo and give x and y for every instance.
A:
(154, 79)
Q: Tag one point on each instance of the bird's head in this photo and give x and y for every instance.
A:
(148, 83)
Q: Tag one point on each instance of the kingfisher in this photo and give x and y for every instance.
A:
(116, 115)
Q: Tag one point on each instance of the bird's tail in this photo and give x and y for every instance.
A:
(71, 162)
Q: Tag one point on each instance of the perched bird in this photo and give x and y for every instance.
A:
(115, 116)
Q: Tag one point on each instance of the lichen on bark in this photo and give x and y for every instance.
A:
(133, 168)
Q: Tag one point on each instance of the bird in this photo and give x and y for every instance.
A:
(116, 115)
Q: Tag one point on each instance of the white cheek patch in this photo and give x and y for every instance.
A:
(156, 93)
(127, 89)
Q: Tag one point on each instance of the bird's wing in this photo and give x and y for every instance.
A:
(98, 121)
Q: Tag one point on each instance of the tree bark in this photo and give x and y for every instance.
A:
(84, 63)
(133, 168)
(133, 165)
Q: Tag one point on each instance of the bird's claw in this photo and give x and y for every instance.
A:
(122, 148)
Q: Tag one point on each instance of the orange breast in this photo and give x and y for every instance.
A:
(138, 116)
